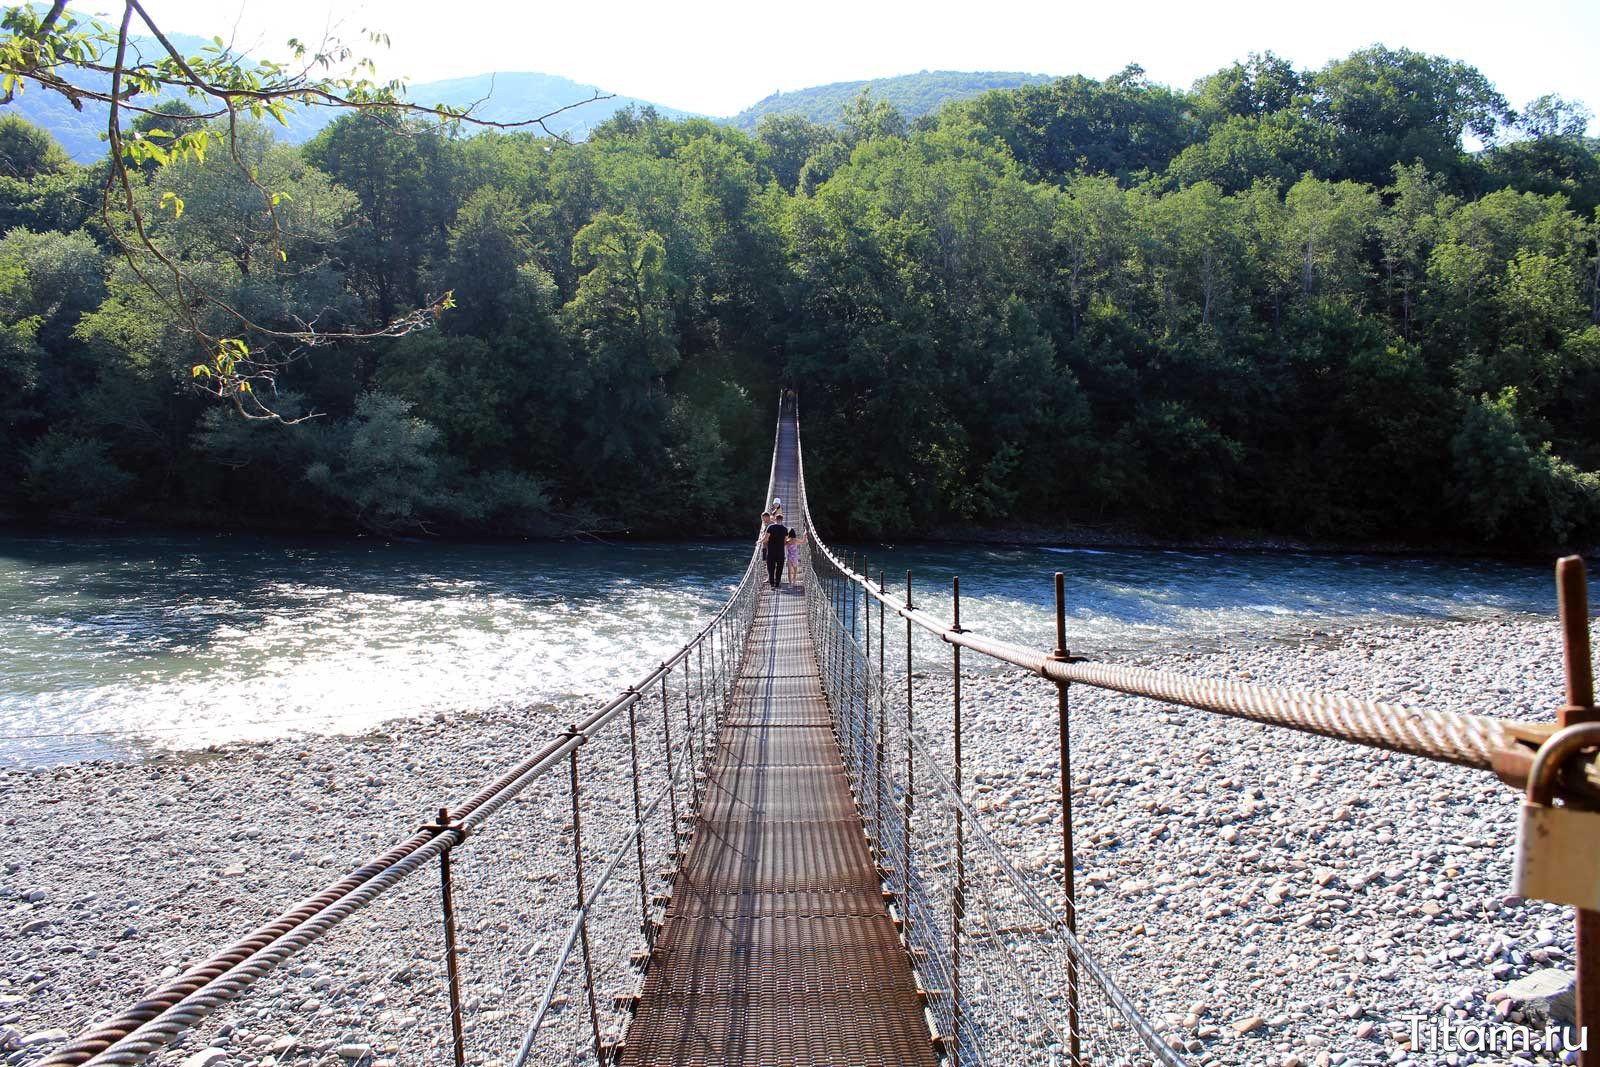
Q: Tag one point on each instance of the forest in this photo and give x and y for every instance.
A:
(1355, 305)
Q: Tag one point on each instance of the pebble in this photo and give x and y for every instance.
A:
(1219, 862)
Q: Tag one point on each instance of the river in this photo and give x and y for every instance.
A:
(114, 645)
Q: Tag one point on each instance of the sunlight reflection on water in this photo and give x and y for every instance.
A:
(186, 641)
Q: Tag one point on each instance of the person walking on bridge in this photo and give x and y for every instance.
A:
(791, 551)
(772, 546)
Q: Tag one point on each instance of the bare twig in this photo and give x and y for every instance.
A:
(39, 53)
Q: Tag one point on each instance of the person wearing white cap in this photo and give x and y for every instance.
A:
(777, 509)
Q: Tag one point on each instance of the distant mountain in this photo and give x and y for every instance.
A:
(499, 97)
(514, 97)
(913, 95)
(82, 133)
(509, 97)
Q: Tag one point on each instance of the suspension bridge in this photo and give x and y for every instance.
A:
(763, 852)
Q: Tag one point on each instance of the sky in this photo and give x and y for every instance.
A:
(719, 56)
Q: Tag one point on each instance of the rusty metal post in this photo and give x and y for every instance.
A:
(847, 660)
(844, 642)
(672, 783)
(828, 678)
(1068, 857)
(451, 965)
(638, 822)
(716, 671)
(1573, 596)
(958, 903)
(730, 665)
(869, 764)
(911, 769)
(858, 726)
(695, 763)
(719, 676)
(700, 690)
(883, 716)
(577, 878)
(847, 699)
(724, 680)
(688, 731)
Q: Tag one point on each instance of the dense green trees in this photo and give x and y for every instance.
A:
(1284, 302)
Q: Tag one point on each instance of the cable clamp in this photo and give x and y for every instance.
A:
(440, 827)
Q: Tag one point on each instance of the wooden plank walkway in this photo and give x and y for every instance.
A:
(777, 948)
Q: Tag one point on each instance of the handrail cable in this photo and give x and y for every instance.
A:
(1448, 736)
(184, 1001)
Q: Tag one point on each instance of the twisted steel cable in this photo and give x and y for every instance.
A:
(181, 1003)
(185, 1001)
(1448, 736)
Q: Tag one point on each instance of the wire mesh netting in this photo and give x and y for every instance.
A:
(519, 929)
(327, 1006)
(1004, 979)
(599, 817)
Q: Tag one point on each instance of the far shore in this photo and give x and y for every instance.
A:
(1022, 534)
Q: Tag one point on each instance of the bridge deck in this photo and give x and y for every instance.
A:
(777, 948)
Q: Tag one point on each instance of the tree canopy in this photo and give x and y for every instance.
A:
(1353, 304)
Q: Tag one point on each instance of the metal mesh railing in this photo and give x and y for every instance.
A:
(1005, 979)
(524, 947)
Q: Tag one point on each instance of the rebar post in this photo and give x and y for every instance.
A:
(700, 689)
(719, 670)
(688, 728)
(958, 903)
(857, 725)
(451, 964)
(688, 735)
(577, 878)
(866, 709)
(638, 822)
(883, 716)
(1068, 857)
(911, 768)
(1573, 596)
(672, 778)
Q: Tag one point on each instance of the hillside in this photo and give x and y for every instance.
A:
(505, 97)
(511, 97)
(913, 95)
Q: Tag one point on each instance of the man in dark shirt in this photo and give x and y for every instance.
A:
(773, 548)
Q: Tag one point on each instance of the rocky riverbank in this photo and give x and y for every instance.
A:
(1266, 896)
(1274, 897)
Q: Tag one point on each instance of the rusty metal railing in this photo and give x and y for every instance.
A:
(1505, 747)
(705, 667)
(969, 920)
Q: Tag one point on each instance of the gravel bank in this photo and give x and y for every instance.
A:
(1273, 897)
(1268, 897)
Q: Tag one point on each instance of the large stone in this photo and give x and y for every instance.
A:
(44, 1037)
(1545, 996)
(206, 1057)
